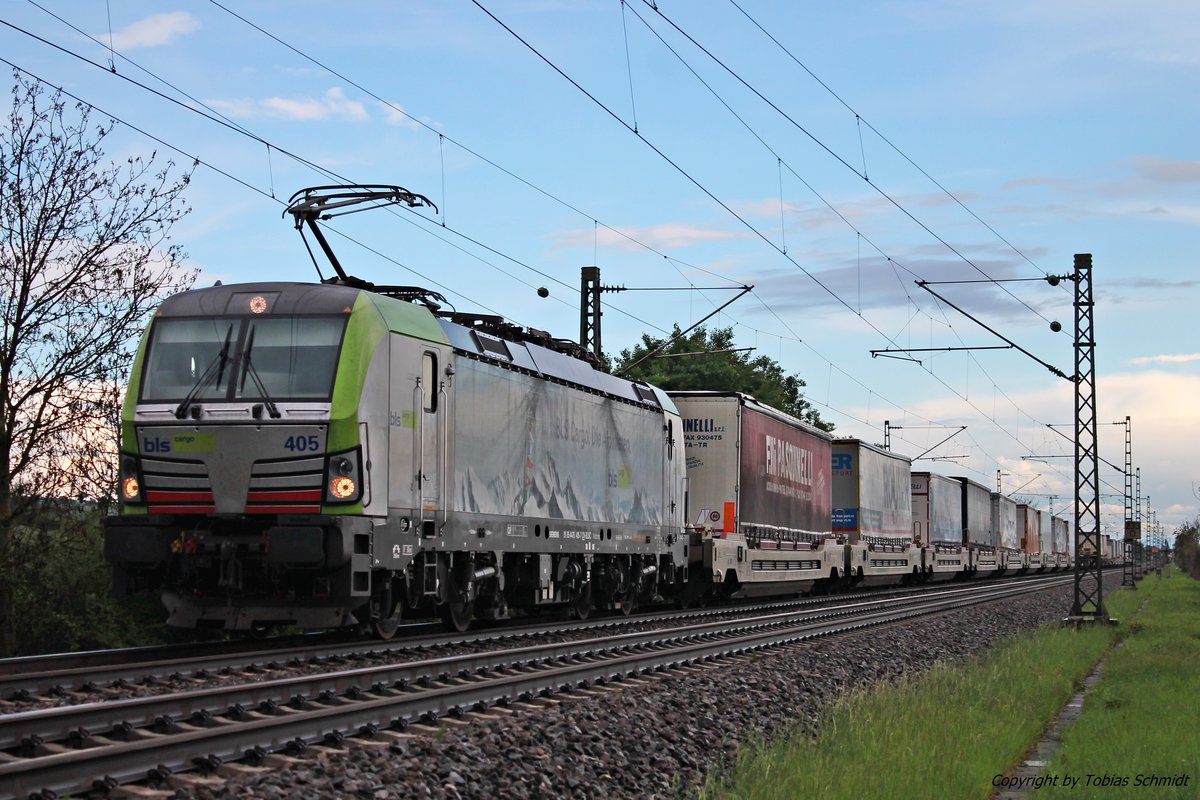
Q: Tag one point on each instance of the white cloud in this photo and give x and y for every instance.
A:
(1162, 410)
(668, 236)
(154, 30)
(1181, 358)
(332, 105)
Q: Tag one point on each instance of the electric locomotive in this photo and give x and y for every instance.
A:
(324, 456)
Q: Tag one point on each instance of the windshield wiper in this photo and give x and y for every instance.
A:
(215, 370)
(248, 369)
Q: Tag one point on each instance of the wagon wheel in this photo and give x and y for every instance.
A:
(581, 602)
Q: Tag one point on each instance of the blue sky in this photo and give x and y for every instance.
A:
(943, 141)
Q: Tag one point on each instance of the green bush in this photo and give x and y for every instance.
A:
(61, 584)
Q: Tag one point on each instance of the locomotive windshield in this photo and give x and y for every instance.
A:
(277, 358)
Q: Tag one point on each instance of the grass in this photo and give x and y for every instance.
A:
(945, 733)
(1139, 723)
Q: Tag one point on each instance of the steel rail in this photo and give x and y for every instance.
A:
(28, 728)
(59, 673)
(253, 733)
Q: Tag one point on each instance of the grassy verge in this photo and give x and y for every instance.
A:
(1137, 733)
(945, 733)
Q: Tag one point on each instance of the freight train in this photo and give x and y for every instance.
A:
(324, 455)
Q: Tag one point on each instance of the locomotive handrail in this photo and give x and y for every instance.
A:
(441, 430)
(419, 427)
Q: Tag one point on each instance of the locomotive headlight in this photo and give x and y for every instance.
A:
(131, 489)
(343, 477)
(130, 480)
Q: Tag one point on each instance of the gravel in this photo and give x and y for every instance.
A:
(660, 739)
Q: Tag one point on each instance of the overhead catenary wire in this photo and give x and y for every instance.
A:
(671, 260)
(484, 159)
(859, 122)
(862, 174)
(247, 133)
(684, 173)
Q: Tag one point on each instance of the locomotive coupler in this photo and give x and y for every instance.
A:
(230, 576)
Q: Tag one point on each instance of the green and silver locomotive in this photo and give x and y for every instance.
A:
(324, 455)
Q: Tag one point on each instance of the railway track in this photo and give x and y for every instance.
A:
(78, 676)
(82, 747)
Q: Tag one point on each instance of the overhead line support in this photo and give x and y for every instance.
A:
(1088, 605)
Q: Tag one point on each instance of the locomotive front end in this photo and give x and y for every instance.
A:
(242, 466)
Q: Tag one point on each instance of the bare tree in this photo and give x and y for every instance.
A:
(85, 255)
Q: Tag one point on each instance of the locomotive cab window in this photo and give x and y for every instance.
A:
(280, 358)
(429, 382)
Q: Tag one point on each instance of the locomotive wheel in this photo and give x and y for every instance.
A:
(581, 602)
(258, 631)
(626, 604)
(456, 616)
(385, 627)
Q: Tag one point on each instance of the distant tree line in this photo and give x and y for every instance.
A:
(1187, 548)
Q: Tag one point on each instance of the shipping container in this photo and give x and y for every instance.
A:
(938, 525)
(979, 533)
(1029, 527)
(1046, 537)
(1061, 535)
(937, 509)
(872, 499)
(759, 496)
(1004, 520)
(757, 469)
(872, 494)
(978, 526)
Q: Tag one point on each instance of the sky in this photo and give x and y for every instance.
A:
(830, 155)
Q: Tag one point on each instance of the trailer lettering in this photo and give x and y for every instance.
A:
(702, 425)
(788, 461)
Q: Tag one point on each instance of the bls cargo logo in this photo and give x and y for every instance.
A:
(179, 443)
(620, 478)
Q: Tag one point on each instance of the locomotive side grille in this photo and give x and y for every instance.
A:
(177, 487)
(286, 487)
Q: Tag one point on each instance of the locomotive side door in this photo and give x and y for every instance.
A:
(418, 420)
